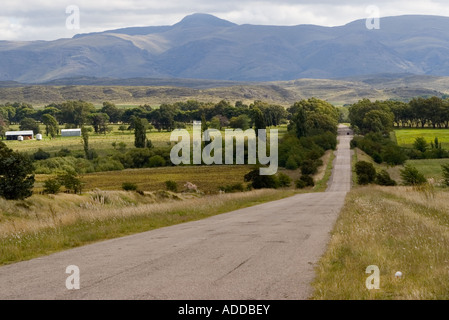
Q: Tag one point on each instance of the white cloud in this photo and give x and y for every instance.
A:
(45, 19)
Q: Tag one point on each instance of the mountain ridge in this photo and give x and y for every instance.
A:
(202, 46)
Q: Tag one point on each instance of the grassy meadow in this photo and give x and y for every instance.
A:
(99, 142)
(207, 178)
(406, 137)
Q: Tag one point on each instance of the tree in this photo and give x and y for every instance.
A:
(52, 185)
(299, 122)
(51, 125)
(139, 133)
(259, 120)
(85, 138)
(100, 122)
(412, 177)
(445, 168)
(3, 126)
(366, 173)
(75, 112)
(16, 174)
(420, 144)
(240, 122)
(71, 182)
(29, 124)
(393, 155)
(371, 116)
(260, 181)
(383, 179)
(114, 113)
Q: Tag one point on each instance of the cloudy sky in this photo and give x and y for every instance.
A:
(53, 19)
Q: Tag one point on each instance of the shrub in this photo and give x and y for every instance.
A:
(171, 185)
(300, 184)
(156, 161)
(108, 164)
(129, 186)
(326, 140)
(52, 185)
(310, 166)
(383, 179)
(394, 155)
(291, 163)
(64, 152)
(308, 180)
(365, 171)
(377, 158)
(41, 155)
(420, 144)
(412, 177)
(260, 181)
(71, 181)
(284, 180)
(16, 174)
(238, 187)
(65, 164)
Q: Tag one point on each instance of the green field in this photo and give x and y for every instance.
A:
(101, 143)
(406, 137)
(98, 142)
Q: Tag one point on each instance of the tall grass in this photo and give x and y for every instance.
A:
(46, 224)
(397, 229)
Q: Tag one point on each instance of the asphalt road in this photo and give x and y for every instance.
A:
(263, 252)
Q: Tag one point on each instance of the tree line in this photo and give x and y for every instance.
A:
(382, 116)
(76, 114)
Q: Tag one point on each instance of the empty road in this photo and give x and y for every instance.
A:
(263, 252)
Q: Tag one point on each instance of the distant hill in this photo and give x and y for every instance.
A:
(205, 47)
(156, 91)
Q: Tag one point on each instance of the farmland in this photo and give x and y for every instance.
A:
(97, 141)
(406, 137)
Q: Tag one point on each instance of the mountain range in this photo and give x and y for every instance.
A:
(202, 46)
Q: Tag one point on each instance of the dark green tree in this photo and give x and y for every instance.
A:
(420, 144)
(114, 113)
(85, 139)
(412, 177)
(139, 133)
(51, 125)
(3, 126)
(366, 173)
(259, 120)
(100, 122)
(300, 122)
(16, 174)
(445, 168)
(29, 124)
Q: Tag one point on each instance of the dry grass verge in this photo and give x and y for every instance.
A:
(397, 229)
(45, 224)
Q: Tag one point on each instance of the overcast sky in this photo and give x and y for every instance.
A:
(48, 20)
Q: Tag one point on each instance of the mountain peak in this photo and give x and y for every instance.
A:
(203, 19)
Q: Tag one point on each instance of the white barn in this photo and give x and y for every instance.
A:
(71, 132)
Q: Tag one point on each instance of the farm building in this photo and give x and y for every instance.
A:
(14, 135)
(71, 132)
